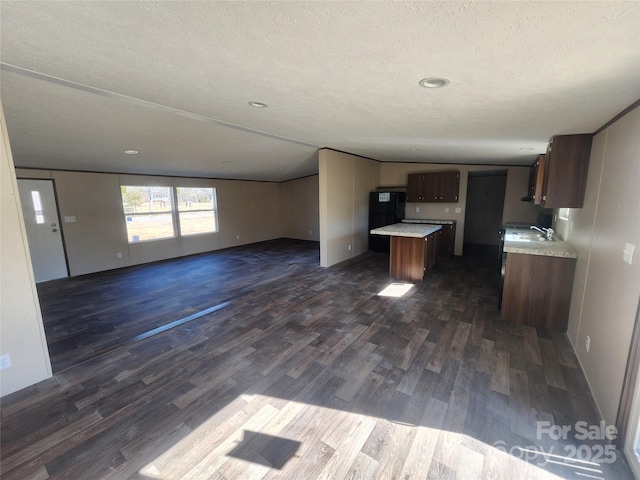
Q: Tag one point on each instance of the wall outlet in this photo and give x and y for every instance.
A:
(5, 361)
(446, 210)
(237, 237)
(587, 343)
(417, 209)
(310, 232)
(349, 247)
(458, 210)
(119, 255)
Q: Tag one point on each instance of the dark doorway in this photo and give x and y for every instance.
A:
(485, 202)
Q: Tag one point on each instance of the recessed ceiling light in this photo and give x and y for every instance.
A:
(258, 104)
(434, 82)
(131, 152)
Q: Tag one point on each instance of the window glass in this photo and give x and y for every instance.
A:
(197, 210)
(148, 212)
(37, 206)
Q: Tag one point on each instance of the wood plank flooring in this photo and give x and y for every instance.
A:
(89, 315)
(316, 376)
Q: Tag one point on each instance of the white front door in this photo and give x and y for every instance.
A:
(40, 212)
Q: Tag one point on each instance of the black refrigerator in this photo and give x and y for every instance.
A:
(385, 208)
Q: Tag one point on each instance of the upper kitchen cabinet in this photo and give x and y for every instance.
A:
(561, 175)
(433, 187)
(536, 181)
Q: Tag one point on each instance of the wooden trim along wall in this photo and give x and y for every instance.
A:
(618, 117)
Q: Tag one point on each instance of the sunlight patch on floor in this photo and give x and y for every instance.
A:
(328, 443)
(395, 290)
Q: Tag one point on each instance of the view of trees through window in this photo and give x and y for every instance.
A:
(197, 210)
(150, 211)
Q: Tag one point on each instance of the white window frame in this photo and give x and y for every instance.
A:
(171, 212)
(214, 209)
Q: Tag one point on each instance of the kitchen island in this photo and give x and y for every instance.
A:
(447, 239)
(413, 249)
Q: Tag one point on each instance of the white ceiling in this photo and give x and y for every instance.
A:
(83, 81)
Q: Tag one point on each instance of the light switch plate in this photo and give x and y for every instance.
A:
(627, 253)
(458, 210)
(70, 219)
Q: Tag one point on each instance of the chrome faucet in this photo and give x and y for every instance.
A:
(547, 231)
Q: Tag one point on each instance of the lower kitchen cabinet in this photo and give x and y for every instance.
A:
(537, 290)
(411, 257)
(447, 241)
(431, 249)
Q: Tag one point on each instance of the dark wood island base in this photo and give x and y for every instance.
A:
(411, 257)
(414, 249)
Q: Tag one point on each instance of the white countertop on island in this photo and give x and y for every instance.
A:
(428, 220)
(416, 230)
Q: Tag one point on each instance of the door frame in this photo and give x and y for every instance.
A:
(628, 418)
(55, 196)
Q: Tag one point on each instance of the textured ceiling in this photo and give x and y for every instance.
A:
(83, 81)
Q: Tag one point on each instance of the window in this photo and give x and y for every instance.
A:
(197, 212)
(37, 206)
(148, 212)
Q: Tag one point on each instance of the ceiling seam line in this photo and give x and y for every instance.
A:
(143, 103)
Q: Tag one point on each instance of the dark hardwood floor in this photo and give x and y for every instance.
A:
(89, 315)
(314, 375)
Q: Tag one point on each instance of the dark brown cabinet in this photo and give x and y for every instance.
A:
(447, 186)
(537, 290)
(559, 178)
(431, 250)
(446, 241)
(536, 180)
(411, 257)
(433, 187)
(415, 188)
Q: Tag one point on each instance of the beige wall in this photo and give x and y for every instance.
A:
(606, 290)
(21, 328)
(395, 175)
(248, 210)
(299, 208)
(99, 232)
(345, 182)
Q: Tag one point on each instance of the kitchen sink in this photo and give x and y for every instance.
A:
(526, 237)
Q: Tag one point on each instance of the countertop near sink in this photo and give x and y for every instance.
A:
(556, 248)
